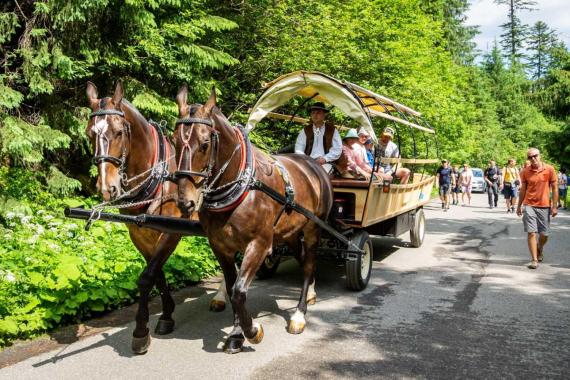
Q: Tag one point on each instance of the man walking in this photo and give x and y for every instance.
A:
(537, 181)
(444, 180)
(492, 178)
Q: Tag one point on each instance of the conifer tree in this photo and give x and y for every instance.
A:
(514, 30)
(540, 43)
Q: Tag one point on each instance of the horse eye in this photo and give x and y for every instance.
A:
(203, 147)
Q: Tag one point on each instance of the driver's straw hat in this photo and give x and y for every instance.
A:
(388, 132)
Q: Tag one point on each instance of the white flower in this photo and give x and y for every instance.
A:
(26, 219)
(48, 217)
(40, 229)
(70, 234)
(72, 226)
(12, 224)
(9, 276)
(10, 215)
(40, 212)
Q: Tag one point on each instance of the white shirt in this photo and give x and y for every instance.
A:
(389, 150)
(318, 144)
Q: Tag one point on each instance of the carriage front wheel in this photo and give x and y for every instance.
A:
(418, 230)
(359, 269)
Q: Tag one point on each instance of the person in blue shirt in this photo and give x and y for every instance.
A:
(369, 151)
(443, 181)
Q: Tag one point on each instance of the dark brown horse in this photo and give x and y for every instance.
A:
(222, 176)
(132, 157)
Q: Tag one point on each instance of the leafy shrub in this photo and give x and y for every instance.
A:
(52, 272)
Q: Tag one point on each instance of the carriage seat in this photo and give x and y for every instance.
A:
(349, 182)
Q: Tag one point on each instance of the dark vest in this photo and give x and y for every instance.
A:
(328, 136)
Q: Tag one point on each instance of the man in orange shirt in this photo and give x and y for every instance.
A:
(537, 181)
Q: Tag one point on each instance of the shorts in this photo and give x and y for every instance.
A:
(510, 192)
(444, 188)
(562, 193)
(456, 189)
(536, 219)
(466, 189)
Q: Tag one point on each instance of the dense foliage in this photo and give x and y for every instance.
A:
(418, 52)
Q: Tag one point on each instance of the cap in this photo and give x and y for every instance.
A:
(388, 132)
(363, 131)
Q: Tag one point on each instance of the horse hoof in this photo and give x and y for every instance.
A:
(233, 345)
(164, 326)
(296, 327)
(140, 345)
(217, 306)
(312, 301)
(258, 335)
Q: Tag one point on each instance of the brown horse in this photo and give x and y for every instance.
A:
(132, 157)
(233, 186)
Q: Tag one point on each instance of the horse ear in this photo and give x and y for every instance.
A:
(182, 100)
(211, 103)
(92, 95)
(118, 95)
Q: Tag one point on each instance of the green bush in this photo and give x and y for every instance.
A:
(52, 272)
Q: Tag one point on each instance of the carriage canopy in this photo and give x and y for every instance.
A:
(356, 102)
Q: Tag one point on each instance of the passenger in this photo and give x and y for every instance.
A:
(455, 187)
(365, 140)
(320, 140)
(357, 165)
(466, 185)
(388, 149)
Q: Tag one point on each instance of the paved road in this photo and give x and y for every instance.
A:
(462, 306)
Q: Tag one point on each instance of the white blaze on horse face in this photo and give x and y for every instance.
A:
(100, 128)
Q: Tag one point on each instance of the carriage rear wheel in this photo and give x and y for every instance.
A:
(418, 231)
(269, 266)
(358, 270)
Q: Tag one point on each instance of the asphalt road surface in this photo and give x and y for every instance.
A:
(464, 305)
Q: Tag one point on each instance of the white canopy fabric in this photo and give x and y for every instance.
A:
(356, 102)
(306, 84)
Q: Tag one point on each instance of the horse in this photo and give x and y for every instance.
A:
(236, 190)
(132, 158)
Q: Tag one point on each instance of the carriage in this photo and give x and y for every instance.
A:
(362, 207)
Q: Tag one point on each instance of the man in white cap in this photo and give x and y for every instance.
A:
(320, 140)
(388, 149)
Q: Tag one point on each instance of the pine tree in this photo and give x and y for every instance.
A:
(514, 30)
(540, 43)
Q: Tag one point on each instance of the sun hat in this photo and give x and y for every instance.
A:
(318, 106)
(388, 132)
(351, 134)
(363, 131)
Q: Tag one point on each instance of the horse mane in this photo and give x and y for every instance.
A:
(134, 109)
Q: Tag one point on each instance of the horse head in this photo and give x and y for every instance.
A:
(195, 140)
(108, 131)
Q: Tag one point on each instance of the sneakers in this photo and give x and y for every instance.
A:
(513, 209)
(540, 254)
(533, 265)
(442, 206)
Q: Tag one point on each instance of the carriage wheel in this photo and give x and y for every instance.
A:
(418, 231)
(358, 270)
(269, 267)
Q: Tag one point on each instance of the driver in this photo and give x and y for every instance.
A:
(320, 140)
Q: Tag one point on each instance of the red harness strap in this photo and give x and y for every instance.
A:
(154, 161)
(241, 168)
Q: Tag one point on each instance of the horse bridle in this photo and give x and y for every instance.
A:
(186, 159)
(98, 157)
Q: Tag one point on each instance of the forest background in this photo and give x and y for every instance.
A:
(417, 52)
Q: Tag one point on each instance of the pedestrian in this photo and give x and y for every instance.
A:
(537, 181)
(492, 178)
(466, 185)
(455, 187)
(562, 188)
(443, 181)
(511, 183)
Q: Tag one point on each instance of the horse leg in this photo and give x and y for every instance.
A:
(235, 339)
(310, 244)
(218, 303)
(165, 324)
(254, 254)
(146, 281)
(312, 294)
